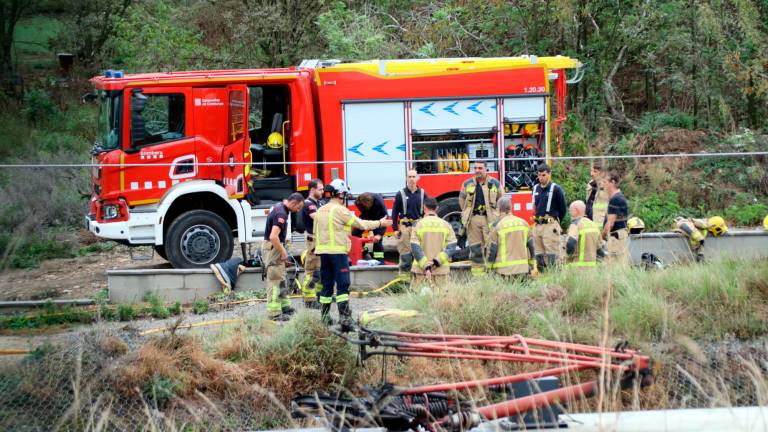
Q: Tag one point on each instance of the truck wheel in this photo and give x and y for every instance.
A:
(450, 211)
(197, 239)
(160, 250)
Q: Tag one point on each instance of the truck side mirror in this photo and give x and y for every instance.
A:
(138, 127)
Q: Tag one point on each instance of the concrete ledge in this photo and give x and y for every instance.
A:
(188, 285)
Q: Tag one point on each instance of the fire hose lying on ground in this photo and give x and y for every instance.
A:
(442, 407)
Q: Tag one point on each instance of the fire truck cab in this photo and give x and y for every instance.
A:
(191, 162)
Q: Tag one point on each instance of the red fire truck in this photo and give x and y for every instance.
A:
(190, 161)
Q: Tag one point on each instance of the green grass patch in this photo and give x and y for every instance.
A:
(712, 301)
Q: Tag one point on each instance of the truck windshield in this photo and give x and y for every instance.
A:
(110, 110)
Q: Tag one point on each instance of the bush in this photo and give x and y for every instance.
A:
(746, 214)
(29, 252)
(652, 122)
(657, 211)
(125, 312)
(200, 306)
(38, 106)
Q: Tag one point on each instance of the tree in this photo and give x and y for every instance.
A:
(11, 11)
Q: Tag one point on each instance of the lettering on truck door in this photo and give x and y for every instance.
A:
(159, 133)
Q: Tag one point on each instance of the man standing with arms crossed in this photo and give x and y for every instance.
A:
(406, 211)
(477, 200)
(333, 223)
(549, 205)
(311, 285)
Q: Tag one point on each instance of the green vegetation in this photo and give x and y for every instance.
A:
(662, 77)
(200, 306)
(693, 301)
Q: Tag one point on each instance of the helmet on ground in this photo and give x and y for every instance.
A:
(635, 225)
(717, 226)
(336, 188)
(765, 223)
(275, 140)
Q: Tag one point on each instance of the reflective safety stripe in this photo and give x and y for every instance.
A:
(326, 300)
(601, 205)
(443, 257)
(433, 227)
(342, 298)
(331, 246)
(503, 246)
(588, 228)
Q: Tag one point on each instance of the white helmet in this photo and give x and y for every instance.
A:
(336, 187)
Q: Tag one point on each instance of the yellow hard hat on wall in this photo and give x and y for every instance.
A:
(717, 226)
(635, 225)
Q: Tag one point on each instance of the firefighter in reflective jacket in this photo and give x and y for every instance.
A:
(433, 243)
(477, 200)
(274, 256)
(597, 196)
(583, 245)
(695, 230)
(311, 261)
(333, 224)
(511, 251)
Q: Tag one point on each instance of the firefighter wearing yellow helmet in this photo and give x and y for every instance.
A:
(695, 230)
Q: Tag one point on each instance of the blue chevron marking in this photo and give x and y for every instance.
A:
(474, 106)
(425, 109)
(401, 147)
(493, 107)
(449, 108)
(380, 148)
(356, 149)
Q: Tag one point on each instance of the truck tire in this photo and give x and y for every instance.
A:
(197, 239)
(160, 250)
(450, 211)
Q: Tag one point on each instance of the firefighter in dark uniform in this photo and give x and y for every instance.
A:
(549, 203)
(373, 208)
(274, 256)
(311, 285)
(477, 199)
(406, 211)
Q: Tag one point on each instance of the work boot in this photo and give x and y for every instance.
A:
(325, 314)
(312, 304)
(288, 310)
(345, 317)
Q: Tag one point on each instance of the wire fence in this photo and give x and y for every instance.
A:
(398, 161)
(95, 382)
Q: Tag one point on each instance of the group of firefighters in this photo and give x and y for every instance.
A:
(498, 241)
